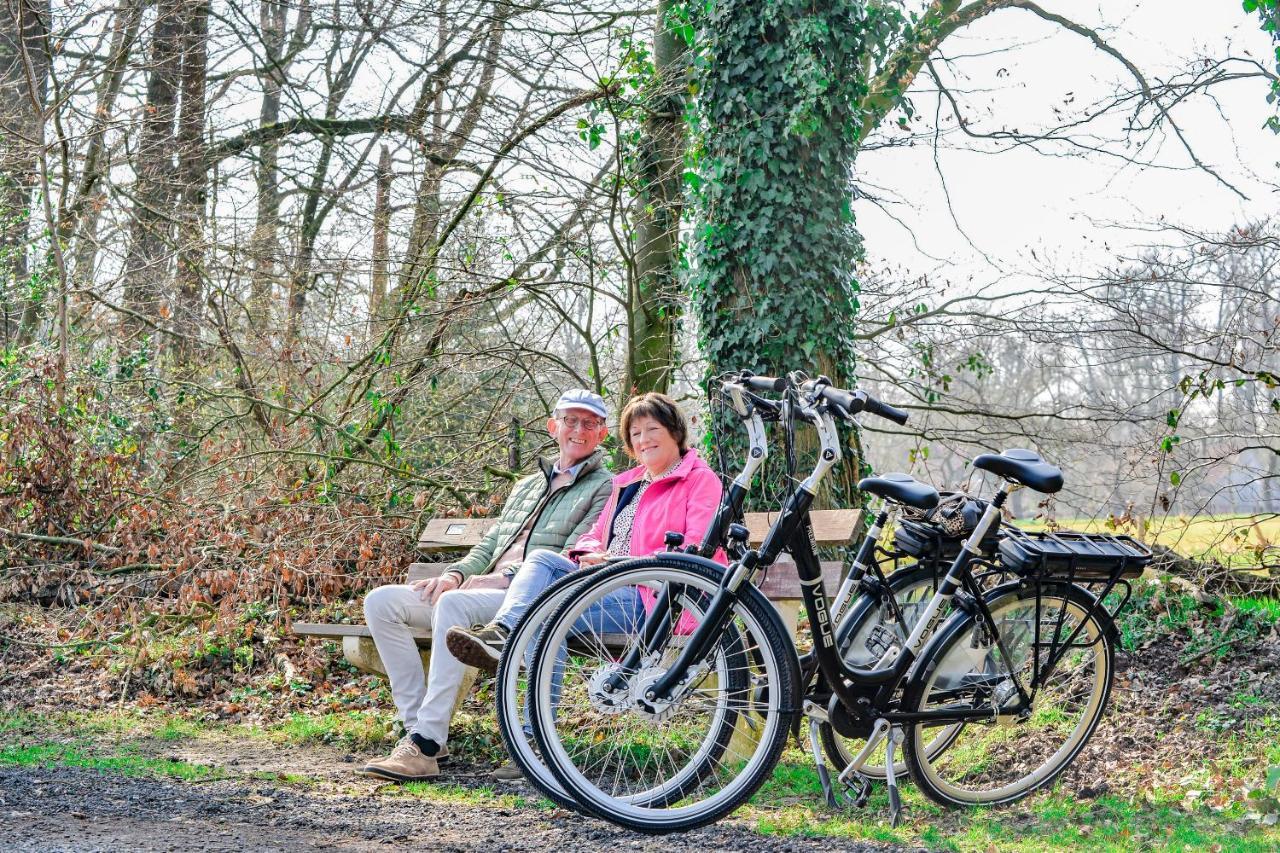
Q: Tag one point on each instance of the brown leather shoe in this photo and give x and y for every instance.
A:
(405, 764)
(508, 772)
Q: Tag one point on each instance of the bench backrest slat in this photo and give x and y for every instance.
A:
(830, 527)
(453, 534)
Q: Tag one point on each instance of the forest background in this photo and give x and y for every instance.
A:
(280, 280)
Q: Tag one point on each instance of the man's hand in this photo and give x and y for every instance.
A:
(430, 589)
(494, 581)
(589, 560)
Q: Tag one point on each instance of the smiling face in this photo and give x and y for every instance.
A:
(652, 444)
(578, 432)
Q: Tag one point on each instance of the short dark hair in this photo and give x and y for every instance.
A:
(662, 409)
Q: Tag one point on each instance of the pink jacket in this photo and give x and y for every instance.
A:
(684, 501)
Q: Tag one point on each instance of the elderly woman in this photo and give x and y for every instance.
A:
(671, 489)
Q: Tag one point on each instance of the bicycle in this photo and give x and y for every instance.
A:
(668, 766)
(754, 411)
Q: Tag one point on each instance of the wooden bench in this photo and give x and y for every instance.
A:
(446, 538)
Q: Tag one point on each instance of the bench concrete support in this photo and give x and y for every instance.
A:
(361, 653)
(359, 650)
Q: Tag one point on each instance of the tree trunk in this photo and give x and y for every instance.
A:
(189, 279)
(655, 291)
(150, 234)
(264, 244)
(776, 288)
(381, 224)
(23, 38)
(79, 224)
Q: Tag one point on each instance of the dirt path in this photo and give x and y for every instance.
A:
(74, 809)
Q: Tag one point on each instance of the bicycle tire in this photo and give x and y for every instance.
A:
(999, 761)
(768, 707)
(508, 692)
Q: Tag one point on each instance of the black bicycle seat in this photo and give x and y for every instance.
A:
(901, 488)
(1022, 466)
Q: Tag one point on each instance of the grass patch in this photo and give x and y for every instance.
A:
(18, 720)
(1050, 821)
(280, 776)
(485, 797)
(354, 730)
(790, 805)
(1263, 609)
(123, 763)
(178, 728)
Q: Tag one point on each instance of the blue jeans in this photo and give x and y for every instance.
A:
(621, 611)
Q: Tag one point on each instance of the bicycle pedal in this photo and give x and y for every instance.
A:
(858, 791)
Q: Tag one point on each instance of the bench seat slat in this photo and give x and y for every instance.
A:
(336, 632)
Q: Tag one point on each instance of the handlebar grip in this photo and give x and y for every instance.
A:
(765, 383)
(886, 411)
(851, 401)
(854, 402)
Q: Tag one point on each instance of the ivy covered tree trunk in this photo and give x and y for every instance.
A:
(774, 287)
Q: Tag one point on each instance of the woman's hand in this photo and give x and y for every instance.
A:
(493, 581)
(588, 560)
(430, 589)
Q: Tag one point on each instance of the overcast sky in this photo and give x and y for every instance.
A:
(1018, 210)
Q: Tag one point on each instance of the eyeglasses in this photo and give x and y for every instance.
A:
(574, 422)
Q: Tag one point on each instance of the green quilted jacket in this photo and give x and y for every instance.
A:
(558, 519)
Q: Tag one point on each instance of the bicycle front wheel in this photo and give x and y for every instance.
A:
(661, 766)
(1057, 648)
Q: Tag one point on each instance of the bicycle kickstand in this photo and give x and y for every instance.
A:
(894, 739)
(824, 777)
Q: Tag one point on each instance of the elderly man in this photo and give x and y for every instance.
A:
(549, 509)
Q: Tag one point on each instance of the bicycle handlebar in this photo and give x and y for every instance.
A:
(765, 384)
(853, 402)
(884, 410)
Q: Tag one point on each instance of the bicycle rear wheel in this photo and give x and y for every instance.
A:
(1009, 751)
(511, 690)
(662, 766)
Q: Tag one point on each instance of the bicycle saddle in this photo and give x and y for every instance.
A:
(901, 488)
(1022, 466)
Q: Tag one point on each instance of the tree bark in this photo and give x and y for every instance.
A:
(150, 234)
(263, 245)
(656, 297)
(381, 225)
(23, 30)
(78, 223)
(189, 279)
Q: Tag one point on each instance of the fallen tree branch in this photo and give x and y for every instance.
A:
(60, 540)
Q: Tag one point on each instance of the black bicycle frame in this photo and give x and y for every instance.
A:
(793, 531)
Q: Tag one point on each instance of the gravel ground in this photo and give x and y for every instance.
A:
(71, 809)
